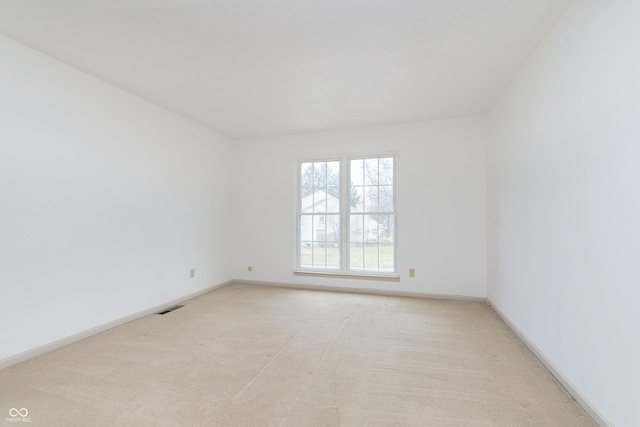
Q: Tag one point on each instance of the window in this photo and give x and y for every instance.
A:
(346, 221)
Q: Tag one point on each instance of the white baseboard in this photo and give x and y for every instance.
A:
(573, 391)
(30, 354)
(360, 290)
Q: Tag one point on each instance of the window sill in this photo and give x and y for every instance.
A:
(343, 275)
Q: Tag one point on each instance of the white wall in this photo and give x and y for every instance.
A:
(564, 203)
(106, 201)
(441, 203)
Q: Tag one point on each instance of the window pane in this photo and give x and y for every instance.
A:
(306, 179)
(371, 199)
(386, 224)
(356, 228)
(319, 228)
(305, 254)
(385, 175)
(320, 175)
(356, 256)
(319, 256)
(320, 187)
(357, 167)
(385, 201)
(371, 257)
(333, 257)
(333, 170)
(305, 228)
(319, 241)
(333, 230)
(370, 229)
(386, 257)
(356, 239)
(379, 250)
(356, 199)
(371, 171)
(323, 202)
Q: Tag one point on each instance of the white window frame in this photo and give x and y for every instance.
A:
(345, 216)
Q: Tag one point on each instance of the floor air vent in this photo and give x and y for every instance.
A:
(170, 309)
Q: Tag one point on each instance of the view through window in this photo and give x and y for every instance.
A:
(346, 215)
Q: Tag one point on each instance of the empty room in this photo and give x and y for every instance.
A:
(320, 213)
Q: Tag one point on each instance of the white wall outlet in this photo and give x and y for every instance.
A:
(412, 272)
(192, 273)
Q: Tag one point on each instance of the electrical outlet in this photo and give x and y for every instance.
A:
(192, 273)
(412, 272)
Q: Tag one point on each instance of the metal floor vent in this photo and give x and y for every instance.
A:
(170, 309)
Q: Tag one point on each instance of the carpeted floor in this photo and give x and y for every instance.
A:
(258, 356)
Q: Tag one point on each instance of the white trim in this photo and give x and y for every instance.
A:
(382, 292)
(348, 275)
(564, 381)
(46, 348)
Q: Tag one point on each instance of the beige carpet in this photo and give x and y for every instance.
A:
(258, 356)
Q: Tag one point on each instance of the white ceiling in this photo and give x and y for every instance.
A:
(255, 67)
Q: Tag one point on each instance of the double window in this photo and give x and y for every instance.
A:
(346, 215)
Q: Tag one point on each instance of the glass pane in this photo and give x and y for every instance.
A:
(372, 242)
(333, 169)
(371, 171)
(356, 256)
(371, 257)
(320, 174)
(385, 166)
(319, 230)
(357, 241)
(332, 230)
(380, 250)
(386, 257)
(333, 185)
(320, 241)
(320, 187)
(319, 256)
(333, 256)
(305, 254)
(371, 228)
(356, 199)
(333, 204)
(385, 202)
(305, 228)
(356, 170)
(319, 201)
(306, 241)
(371, 198)
(327, 250)
(306, 180)
(386, 225)
(356, 228)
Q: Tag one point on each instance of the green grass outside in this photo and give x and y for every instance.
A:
(370, 256)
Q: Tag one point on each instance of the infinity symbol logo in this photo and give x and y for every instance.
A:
(13, 412)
